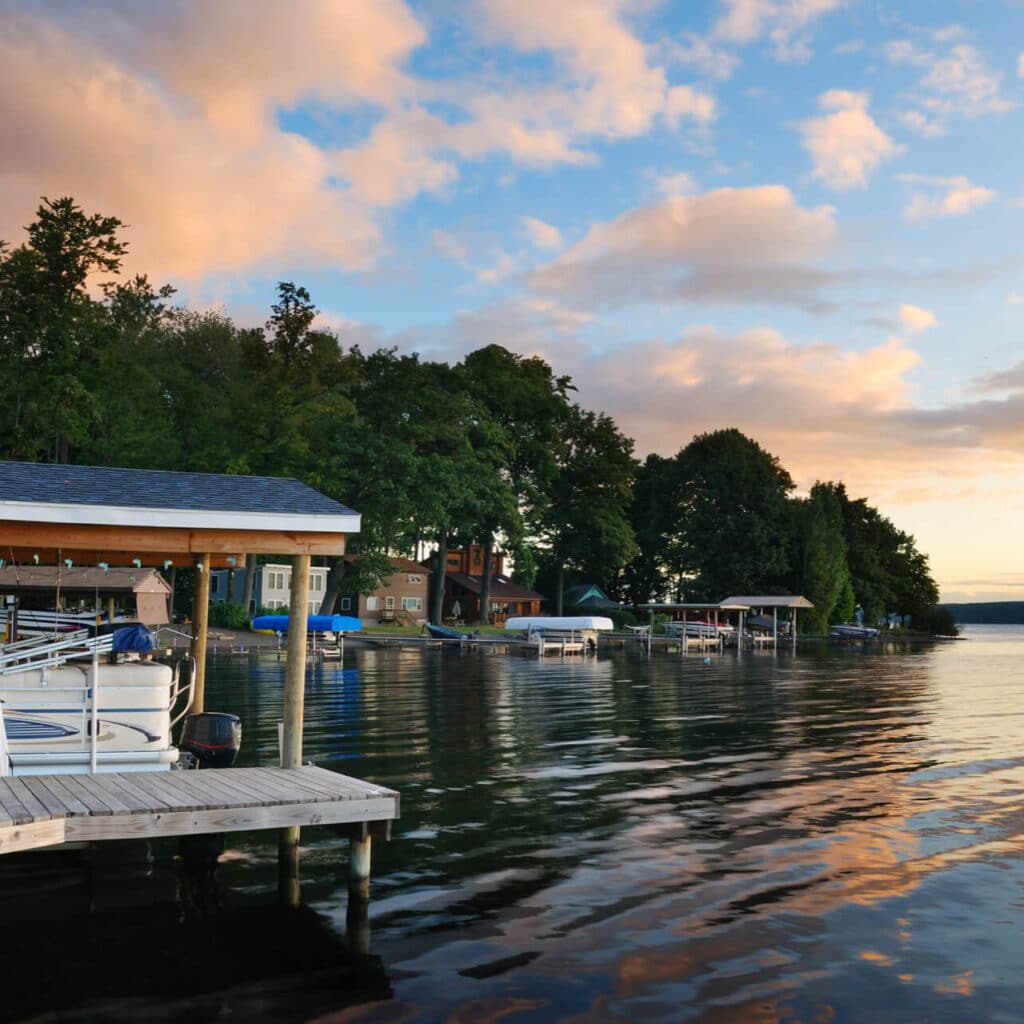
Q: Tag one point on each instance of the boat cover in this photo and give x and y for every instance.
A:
(314, 623)
(559, 622)
(133, 638)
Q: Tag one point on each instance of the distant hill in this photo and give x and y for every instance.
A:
(997, 612)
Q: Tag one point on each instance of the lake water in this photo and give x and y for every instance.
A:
(832, 835)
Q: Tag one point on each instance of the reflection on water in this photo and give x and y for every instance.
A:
(835, 835)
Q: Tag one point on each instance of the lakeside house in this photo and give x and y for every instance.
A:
(137, 593)
(463, 589)
(401, 597)
(271, 586)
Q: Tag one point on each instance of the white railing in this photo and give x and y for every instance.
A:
(5, 757)
(26, 655)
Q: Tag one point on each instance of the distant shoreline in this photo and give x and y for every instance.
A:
(987, 613)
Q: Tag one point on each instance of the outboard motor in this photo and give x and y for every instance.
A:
(213, 738)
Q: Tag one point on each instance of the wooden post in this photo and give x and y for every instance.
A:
(294, 709)
(200, 630)
(792, 627)
(775, 629)
(295, 665)
(357, 915)
(111, 608)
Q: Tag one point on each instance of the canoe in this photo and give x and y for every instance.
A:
(314, 624)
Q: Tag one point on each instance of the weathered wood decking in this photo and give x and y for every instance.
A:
(46, 810)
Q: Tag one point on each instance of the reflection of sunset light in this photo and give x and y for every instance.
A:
(871, 956)
(959, 985)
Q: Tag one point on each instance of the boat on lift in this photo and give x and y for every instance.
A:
(80, 703)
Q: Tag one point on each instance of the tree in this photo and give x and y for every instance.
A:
(526, 405)
(734, 524)
(50, 327)
(655, 572)
(586, 526)
(821, 572)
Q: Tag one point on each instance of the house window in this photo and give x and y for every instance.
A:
(389, 603)
(316, 582)
(346, 604)
(414, 579)
(276, 581)
(371, 604)
(214, 583)
(412, 604)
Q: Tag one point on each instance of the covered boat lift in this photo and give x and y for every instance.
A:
(99, 516)
(742, 605)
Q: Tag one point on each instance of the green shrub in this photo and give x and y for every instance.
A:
(228, 615)
(937, 620)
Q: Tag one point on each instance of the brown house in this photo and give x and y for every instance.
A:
(463, 583)
(141, 594)
(402, 597)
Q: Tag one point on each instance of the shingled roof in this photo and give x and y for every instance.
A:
(41, 492)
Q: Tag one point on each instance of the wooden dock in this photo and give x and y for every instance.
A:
(47, 810)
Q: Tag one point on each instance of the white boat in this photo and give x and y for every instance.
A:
(533, 623)
(852, 632)
(68, 711)
(569, 633)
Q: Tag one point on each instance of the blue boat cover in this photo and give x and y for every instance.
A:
(133, 638)
(314, 623)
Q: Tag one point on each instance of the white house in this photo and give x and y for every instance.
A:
(271, 587)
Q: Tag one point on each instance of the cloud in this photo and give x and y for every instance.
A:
(942, 197)
(672, 183)
(449, 246)
(957, 83)
(198, 198)
(701, 54)
(615, 90)
(916, 319)
(544, 236)
(725, 244)
(785, 22)
(846, 146)
(962, 84)
(921, 124)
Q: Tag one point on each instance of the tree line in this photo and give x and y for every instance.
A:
(101, 370)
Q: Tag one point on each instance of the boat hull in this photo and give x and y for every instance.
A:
(47, 715)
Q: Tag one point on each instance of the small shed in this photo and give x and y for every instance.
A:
(143, 593)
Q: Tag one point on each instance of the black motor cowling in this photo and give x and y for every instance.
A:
(213, 738)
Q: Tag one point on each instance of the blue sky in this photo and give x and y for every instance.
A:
(797, 217)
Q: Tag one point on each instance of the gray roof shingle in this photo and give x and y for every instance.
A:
(43, 483)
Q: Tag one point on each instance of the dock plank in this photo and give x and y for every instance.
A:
(101, 789)
(52, 802)
(39, 810)
(48, 810)
(55, 784)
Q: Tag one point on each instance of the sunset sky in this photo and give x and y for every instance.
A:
(802, 218)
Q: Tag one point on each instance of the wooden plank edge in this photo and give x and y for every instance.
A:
(32, 836)
(240, 819)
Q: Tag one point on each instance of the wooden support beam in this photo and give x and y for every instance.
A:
(295, 664)
(82, 557)
(143, 540)
(200, 633)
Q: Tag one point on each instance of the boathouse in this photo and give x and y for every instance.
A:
(100, 516)
(141, 594)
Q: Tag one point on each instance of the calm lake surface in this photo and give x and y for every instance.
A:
(832, 835)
